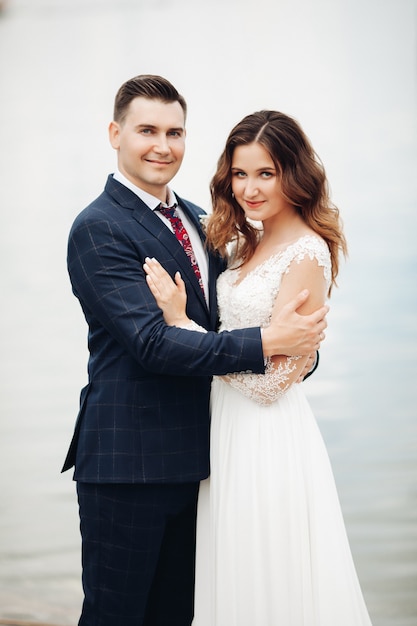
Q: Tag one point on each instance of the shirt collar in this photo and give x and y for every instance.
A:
(151, 201)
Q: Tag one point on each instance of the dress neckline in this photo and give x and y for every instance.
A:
(239, 280)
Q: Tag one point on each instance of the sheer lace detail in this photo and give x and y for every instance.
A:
(192, 325)
(249, 302)
(264, 389)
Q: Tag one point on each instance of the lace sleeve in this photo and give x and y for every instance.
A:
(191, 325)
(265, 389)
(262, 388)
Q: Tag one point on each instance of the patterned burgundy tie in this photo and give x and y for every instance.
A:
(183, 237)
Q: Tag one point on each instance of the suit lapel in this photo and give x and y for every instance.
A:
(146, 218)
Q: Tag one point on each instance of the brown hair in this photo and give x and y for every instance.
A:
(145, 86)
(303, 182)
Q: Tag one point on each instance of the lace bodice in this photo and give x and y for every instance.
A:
(249, 302)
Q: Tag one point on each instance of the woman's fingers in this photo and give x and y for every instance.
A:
(160, 282)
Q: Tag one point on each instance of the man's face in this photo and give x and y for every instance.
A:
(150, 143)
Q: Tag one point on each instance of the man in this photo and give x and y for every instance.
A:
(141, 443)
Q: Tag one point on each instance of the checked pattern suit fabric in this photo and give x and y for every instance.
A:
(127, 430)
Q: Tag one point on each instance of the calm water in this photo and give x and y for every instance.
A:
(347, 71)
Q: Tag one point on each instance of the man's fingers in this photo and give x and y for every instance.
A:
(321, 337)
(299, 300)
(320, 315)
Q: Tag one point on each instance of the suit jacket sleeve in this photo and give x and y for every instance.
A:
(105, 266)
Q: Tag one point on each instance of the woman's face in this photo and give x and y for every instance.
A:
(256, 183)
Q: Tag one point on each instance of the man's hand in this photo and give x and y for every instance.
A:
(293, 334)
(311, 361)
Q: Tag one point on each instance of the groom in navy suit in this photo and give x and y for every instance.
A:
(141, 441)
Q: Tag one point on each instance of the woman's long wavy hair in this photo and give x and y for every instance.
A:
(303, 183)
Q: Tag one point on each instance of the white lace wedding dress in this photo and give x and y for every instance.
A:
(271, 543)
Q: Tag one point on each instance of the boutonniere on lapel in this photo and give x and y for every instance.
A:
(203, 220)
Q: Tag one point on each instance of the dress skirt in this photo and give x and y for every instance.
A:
(272, 548)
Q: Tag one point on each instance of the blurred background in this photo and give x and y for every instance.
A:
(346, 70)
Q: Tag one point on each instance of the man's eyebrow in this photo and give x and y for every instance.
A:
(153, 127)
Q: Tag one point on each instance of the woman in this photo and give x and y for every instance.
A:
(272, 548)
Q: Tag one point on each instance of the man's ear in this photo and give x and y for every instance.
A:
(114, 133)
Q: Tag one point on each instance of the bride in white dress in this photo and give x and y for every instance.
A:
(272, 549)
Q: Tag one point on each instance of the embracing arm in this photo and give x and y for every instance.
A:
(292, 330)
(281, 371)
(105, 265)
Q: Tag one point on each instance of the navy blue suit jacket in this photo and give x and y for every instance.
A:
(144, 415)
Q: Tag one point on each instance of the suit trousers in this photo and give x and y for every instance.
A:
(138, 553)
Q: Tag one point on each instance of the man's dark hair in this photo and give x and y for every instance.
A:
(145, 86)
